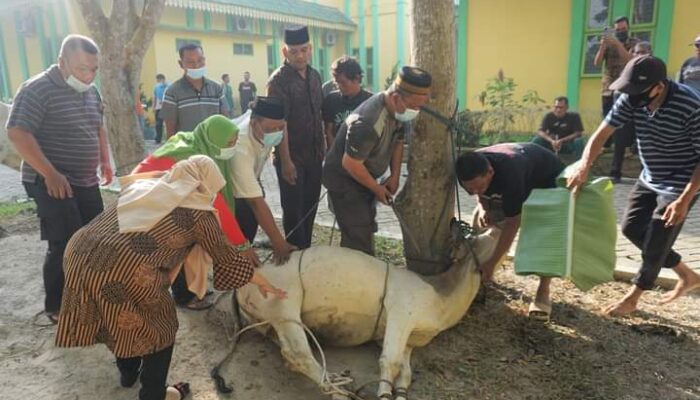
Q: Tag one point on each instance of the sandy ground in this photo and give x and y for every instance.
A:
(494, 353)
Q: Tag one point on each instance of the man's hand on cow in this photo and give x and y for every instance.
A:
(675, 212)
(106, 174)
(289, 172)
(266, 287)
(57, 185)
(282, 251)
(252, 256)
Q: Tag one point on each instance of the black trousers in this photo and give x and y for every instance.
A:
(607, 103)
(643, 226)
(159, 127)
(623, 138)
(300, 202)
(59, 220)
(356, 211)
(154, 372)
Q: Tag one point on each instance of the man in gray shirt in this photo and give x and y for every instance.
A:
(690, 71)
(192, 98)
(56, 127)
(367, 143)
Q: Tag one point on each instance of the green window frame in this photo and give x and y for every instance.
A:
(270, 59)
(368, 73)
(179, 42)
(243, 49)
(645, 30)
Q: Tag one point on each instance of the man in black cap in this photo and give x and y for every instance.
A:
(299, 156)
(369, 141)
(261, 129)
(667, 118)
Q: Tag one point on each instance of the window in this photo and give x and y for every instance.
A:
(243, 49)
(368, 72)
(181, 42)
(270, 59)
(642, 15)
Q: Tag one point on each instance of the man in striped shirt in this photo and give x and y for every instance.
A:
(56, 126)
(192, 98)
(667, 117)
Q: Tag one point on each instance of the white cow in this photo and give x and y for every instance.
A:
(8, 156)
(338, 293)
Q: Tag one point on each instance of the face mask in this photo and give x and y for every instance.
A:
(197, 73)
(406, 116)
(77, 85)
(226, 153)
(272, 139)
(641, 99)
(622, 36)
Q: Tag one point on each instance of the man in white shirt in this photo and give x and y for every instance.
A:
(261, 129)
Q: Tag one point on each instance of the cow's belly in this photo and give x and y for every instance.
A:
(340, 328)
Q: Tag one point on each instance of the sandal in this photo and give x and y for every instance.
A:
(197, 305)
(539, 311)
(177, 391)
(53, 317)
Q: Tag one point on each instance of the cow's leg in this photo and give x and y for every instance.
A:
(395, 339)
(404, 380)
(296, 351)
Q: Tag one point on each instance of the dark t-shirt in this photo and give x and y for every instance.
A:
(246, 92)
(518, 168)
(369, 133)
(690, 73)
(337, 107)
(562, 127)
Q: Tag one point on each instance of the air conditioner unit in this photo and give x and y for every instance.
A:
(330, 38)
(26, 25)
(242, 24)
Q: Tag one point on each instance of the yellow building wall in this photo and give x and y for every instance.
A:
(529, 40)
(7, 25)
(684, 29)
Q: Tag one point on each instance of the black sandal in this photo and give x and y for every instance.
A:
(183, 388)
(53, 317)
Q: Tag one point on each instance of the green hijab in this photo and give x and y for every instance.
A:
(208, 138)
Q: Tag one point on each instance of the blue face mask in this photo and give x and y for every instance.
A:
(272, 139)
(197, 73)
(77, 85)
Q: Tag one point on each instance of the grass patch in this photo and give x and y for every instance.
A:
(11, 209)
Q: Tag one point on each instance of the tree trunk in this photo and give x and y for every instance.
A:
(425, 205)
(123, 38)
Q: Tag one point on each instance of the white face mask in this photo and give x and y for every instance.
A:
(226, 153)
(77, 85)
(408, 115)
(197, 73)
(272, 139)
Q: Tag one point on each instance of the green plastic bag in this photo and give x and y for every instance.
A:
(569, 237)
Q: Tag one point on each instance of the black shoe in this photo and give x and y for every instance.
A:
(616, 179)
(128, 379)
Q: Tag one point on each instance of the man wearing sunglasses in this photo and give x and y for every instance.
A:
(667, 119)
(690, 71)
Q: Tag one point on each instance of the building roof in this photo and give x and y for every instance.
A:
(297, 12)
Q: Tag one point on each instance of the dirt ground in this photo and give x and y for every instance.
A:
(495, 352)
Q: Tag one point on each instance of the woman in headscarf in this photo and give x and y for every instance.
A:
(118, 269)
(214, 137)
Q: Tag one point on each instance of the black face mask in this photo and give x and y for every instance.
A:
(622, 36)
(642, 99)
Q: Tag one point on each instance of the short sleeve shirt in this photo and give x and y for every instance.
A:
(246, 92)
(369, 133)
(66, 125)
(188, 106)
(337, 107)
(562, 127)
(247, 162)
(615, 62)
(518, 168)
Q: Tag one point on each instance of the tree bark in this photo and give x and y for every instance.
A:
(123, 38)
(425, 205)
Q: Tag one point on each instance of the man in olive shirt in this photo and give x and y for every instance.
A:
(369, 141)
(299, 157)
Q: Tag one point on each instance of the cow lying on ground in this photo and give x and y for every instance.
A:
(348, 298)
